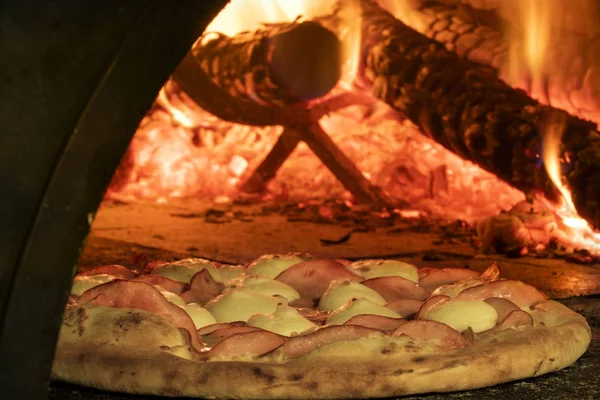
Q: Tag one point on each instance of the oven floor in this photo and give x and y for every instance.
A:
(240, 233)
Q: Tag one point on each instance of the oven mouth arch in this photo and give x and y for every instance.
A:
(143, 47)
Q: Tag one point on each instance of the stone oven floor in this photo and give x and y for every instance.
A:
(240, 233)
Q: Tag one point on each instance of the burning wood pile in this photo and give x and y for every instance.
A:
(272, 89)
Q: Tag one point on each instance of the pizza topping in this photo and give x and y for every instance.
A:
(312, 278)
(455, 289)
(216, 326)
(340, 292)
(229, 272)
(200, 316)
(117, 271)
(520, 293)
(313, 315)
(515, 320)
(216, 336)
(173, 298)
(302, 344)
(463, 314)
(431, 303)
(357, 307)
(492, 273)
(253, 343)
(142, 296)
(446, 276)
(81, 283)
(273, 265)
(240, 305)
(184, 270)
(164, 282)
(446, 337)
(267, 286)
(380, 268)
(503, 307)
(396, 287)
(405, 307)
(285, 321)
(203, 288)
(372, 321)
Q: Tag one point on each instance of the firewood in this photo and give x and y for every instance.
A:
(473, 113)
(248, 77)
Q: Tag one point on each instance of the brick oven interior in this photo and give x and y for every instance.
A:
(148, 214)
(191, 183)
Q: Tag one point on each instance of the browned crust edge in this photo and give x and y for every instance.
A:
(516, 355)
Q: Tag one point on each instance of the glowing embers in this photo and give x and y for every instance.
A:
(190, 153)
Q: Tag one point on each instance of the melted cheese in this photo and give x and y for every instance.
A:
(83, 283)
(462, 314)
(266, 286)
(184, 270)
(359, 307)
(172, 297)
(229, 272)
(339, 293)
(240, 305)
(273, 265)
(377, 268)
(200, 316)
(285, 321)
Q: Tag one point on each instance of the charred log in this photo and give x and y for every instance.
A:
(473, 113)
(249, 77)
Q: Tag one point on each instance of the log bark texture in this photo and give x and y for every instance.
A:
(473, 113)
(250, 77)
(493, 33)
(278, 64)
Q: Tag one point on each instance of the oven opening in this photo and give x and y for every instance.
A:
(438, 134)
(263, 139)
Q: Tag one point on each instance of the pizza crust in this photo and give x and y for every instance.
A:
(158, 362)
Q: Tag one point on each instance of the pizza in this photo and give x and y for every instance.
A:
(292, 326)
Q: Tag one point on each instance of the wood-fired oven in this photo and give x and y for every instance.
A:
(120, 145)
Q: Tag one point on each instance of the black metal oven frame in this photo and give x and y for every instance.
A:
(76, 77)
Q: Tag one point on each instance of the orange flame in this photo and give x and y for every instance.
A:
(181, 150)
(537, 17)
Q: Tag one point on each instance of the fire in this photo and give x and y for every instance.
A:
(537, 18)
(181, 150)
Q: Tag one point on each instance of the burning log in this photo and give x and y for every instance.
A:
(267, 77)
(250, 77)
(471, 112)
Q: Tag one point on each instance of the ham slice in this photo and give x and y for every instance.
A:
(115, 270)
(492, 273)
(205, 330)
(376, 322)
(167, 284)
(202, 288)
(254, 343)
(300, 345)
(516, 319)
(503, 307)
(141, 296)
(312, 278)
(405, 307)
(520, 293)
(446, 276)
(315, 316)
(396, 287)
(449, 339)
(216, 336)
(430, 303)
